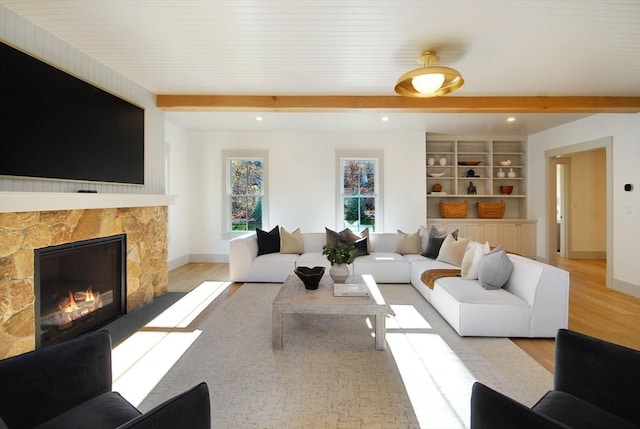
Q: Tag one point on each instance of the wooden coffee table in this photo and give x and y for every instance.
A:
(293, 298)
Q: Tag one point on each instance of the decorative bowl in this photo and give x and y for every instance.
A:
(437, 174)
(505, 162)
(310, 276)
(506, 189)
(469, 162)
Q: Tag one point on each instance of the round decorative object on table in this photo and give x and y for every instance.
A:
(310, 276)
(471, 173)
(436, 187)
(500, 174)
(511, 174)
(339, 273)
(443, 161)
(431, 161)
(505, 162)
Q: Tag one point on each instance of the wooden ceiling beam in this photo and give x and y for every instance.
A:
(447, 104)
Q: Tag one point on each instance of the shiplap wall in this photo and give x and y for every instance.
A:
(22, 34)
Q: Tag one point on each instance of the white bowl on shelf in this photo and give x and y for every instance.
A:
(505, 162)
(436, 174)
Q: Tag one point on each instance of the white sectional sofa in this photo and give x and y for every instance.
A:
(533, 302)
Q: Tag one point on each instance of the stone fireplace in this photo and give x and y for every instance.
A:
(22, 232)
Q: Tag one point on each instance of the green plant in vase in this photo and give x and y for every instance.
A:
(339, 256)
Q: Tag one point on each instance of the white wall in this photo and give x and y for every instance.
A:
(301, 182)
(24, 35)
(624, 129)
(178, 158)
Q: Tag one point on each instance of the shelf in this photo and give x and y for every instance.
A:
(488, 153)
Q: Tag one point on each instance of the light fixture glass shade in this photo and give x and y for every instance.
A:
(429, 81)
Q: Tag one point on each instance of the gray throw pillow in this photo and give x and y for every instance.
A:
(494, 269)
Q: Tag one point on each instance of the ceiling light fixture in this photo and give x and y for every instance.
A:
(429, 81)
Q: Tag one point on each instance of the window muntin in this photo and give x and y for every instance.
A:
(359, 193)
(246, 193)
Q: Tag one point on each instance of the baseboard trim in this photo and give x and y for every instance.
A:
(626, 288)
(206, 258)
(587, 254)
(178, 262)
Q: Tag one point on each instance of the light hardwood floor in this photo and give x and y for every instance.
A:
(593, 309)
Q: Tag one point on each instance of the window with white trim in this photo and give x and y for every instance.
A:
(245, 202)
(360, 203)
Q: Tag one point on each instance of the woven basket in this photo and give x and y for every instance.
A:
(453, 209)
(490, 210)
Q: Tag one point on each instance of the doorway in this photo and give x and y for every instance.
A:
(580, 228)
(562, 202)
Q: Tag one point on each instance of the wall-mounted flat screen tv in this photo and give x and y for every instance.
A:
(56, 126)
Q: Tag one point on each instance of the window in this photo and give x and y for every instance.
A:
(359, 197)
(245, 202)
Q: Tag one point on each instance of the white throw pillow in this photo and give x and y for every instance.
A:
(452, 250)
(471, 260)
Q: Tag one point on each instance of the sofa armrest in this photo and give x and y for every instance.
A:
(602, 373)
(493, 410)
(190, 409)
(242, 251)
(38, 385)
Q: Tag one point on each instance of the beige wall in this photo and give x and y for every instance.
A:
(587, 209)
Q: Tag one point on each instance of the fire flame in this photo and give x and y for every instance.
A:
(72, 307)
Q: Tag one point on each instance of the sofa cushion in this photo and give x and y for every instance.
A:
(408, 243)
(472, 310)
(385, 267)
(291, 242)
(191, 409)
(435, 240)
(577, 413)
(268, 241)
(273, 267)
(494, 269)
(471, 260)
(313, 259)
(106, 411)
(452, 250)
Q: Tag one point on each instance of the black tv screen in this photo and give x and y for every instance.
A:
(56, 126)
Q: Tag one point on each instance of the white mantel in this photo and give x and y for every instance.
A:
(45, 201)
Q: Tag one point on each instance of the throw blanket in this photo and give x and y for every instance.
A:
(429, 277)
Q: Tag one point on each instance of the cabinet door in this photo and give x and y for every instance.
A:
(482, 232)
(527, 237)
(509, 237)
(519, 238)
(446, 226)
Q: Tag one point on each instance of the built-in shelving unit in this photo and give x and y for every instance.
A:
(454, 162)
(476, 161)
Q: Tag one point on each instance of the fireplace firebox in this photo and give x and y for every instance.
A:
(79, 287)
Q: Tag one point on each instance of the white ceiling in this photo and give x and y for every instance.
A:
(355, 47)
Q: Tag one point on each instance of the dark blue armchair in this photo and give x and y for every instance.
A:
(68, 385)
(596, 385)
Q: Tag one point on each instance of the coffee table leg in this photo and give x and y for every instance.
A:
(276, 327)
(381, 341)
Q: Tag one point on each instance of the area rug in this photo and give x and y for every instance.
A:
(329, 374)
